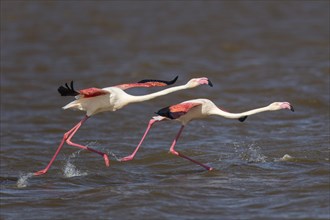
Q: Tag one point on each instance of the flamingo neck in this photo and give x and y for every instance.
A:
(143, 98)
(239, 115)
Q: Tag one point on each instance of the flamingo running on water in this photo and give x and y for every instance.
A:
(95, 100)
(197, 109)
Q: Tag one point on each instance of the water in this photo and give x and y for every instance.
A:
(273, 166)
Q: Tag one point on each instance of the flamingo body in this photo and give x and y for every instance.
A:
(176, 111)
(201, 108)
(187, 111)
(197, 109)
(100, 100)
(94, 100)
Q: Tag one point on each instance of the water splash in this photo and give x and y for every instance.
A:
(286, 157)
(23, 180)
(70, 170)
(113, 155)
(251, 154)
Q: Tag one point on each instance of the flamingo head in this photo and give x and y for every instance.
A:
(199, 81)
(280, 105)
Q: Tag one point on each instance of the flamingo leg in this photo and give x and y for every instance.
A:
(130, 157)
(172, 151)
(67, 136)
(69, 142)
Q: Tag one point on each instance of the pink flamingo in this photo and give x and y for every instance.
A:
(95, 100)
(197, 109)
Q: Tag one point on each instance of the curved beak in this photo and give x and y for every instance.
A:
(287, 105)
(291, 108)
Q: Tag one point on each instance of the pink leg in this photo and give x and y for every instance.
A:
(69, 142)
(183, 156)
(67, 136)
(130, 157)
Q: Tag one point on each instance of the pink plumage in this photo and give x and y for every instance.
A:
(92, 92)
(183, 107)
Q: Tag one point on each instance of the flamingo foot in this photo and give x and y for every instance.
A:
(106, 160)
(174, 152)
(209, 168)
(128, 158)
(40, 172)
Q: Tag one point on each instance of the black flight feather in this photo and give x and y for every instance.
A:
(161, 81)
(165, 112)
(67, 91)
(241, 119)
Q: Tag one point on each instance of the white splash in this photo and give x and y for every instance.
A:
(252, 154)
(256, 155)
(23, 180)
(286, 157)
(70, 170)
(114, 155)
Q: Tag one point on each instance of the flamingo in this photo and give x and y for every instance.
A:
(95, 100)
(197, 109)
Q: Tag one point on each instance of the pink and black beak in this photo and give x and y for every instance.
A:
(209, 83)
(287, 105)
(291, 108)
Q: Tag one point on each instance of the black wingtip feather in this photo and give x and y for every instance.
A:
(67, 90)
(165, 112)
(162, 81)
(242, 119)
(173, 81)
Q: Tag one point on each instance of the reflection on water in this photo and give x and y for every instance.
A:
(273, 166)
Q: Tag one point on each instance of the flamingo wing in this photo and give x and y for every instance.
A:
(147, 83)
(92, 92)
(176, 111)
(85, 93)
